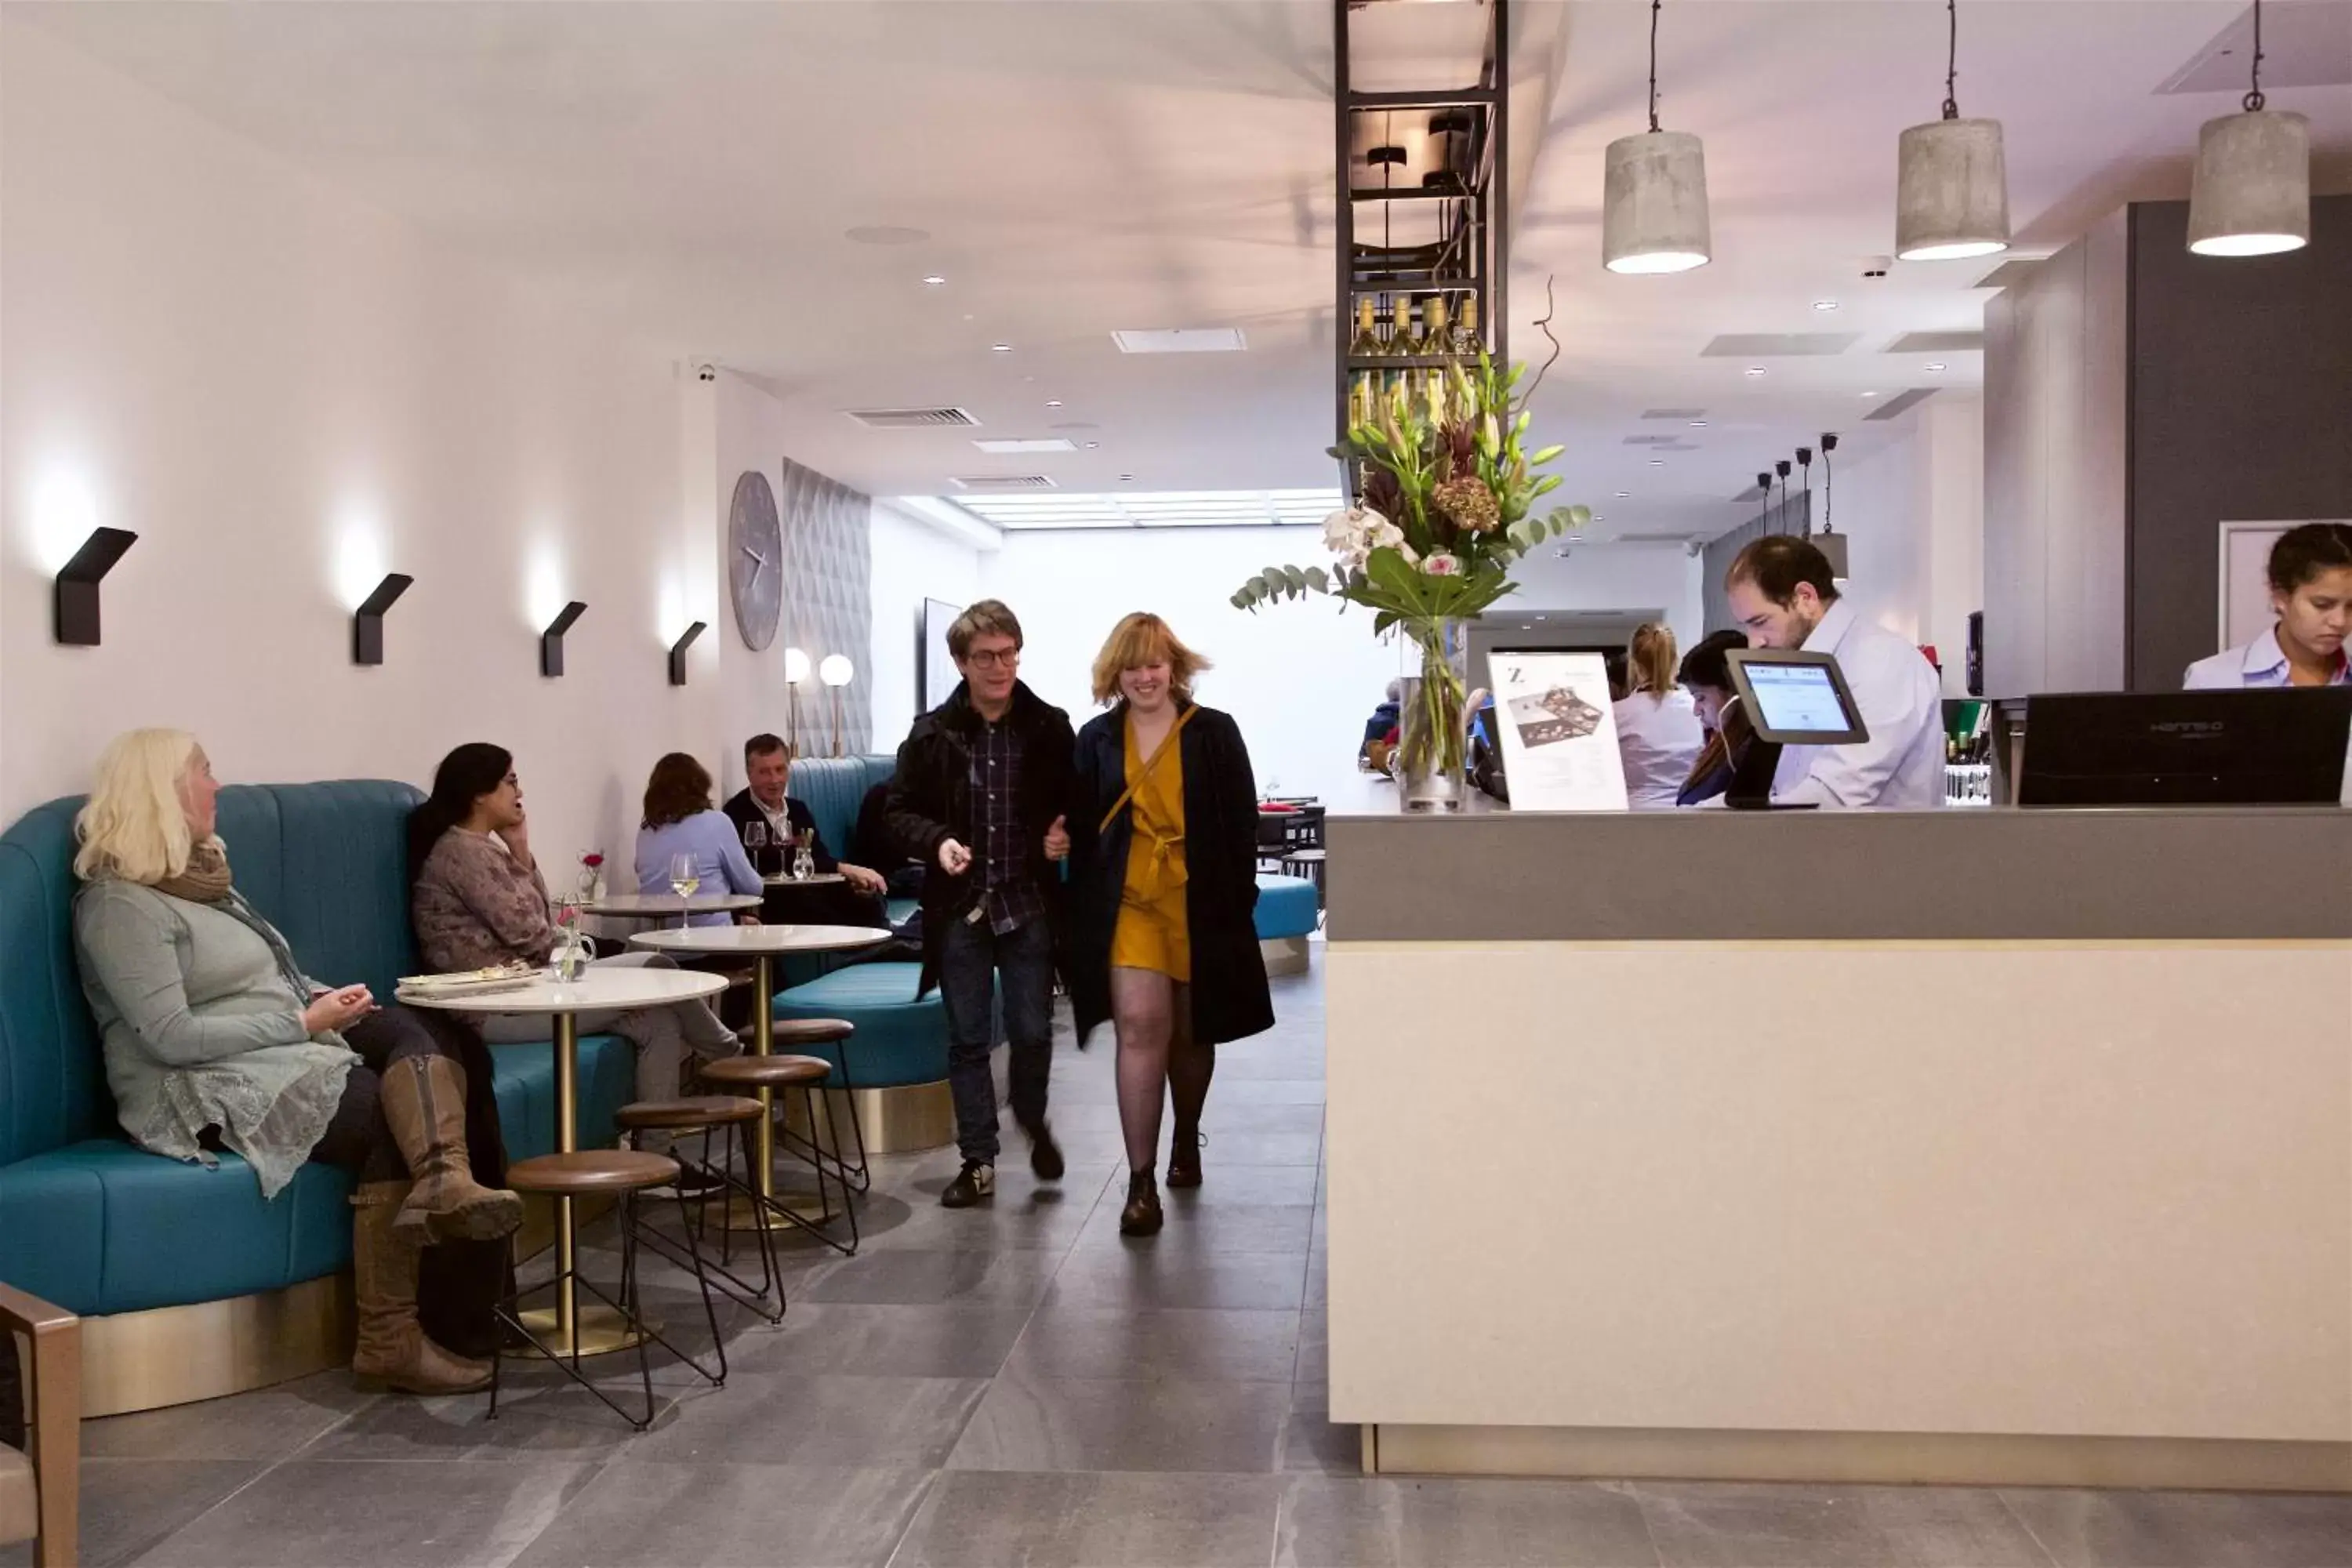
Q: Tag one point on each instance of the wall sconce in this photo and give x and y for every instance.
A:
(837, 672)
(550, 641)
(78, 581)
(677, 653)
(367, 621)
(796, 669)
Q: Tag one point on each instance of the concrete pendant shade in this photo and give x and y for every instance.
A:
(2252, 192)
(1653, 204)
(1833, 549)
(1951, 197)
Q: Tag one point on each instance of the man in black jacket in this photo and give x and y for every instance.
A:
(856, 900)
(981, 785)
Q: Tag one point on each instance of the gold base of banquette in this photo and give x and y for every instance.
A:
(902, 1120)
(1285, 954)
(1903, 1458)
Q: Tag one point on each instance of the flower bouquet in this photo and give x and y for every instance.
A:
(1448, 506)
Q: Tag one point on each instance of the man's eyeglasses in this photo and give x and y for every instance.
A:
(989, 658)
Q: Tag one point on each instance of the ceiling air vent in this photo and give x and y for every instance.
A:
(1658, 538)
(1180, 341)
(1018, 444)
(1002, 484)
(912, 418)
(1649, 440)
(1902, 402)
(1673, 412)
(1936, 344)
(1778, 345)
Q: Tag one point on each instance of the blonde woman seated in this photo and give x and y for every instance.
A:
(215, 1038)
(1658, 733)
(478, 899)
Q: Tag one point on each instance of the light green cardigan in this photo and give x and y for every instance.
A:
(203, 1028)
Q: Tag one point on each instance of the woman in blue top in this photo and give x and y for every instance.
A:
(681, 820)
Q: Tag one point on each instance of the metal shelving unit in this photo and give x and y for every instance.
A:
(1470, 251)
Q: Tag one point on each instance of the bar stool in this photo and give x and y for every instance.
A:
(836, 1033)
(597, 1173)
(727, 1115)
(781, 1075)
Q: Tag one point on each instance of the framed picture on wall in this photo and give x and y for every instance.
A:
(935, 671)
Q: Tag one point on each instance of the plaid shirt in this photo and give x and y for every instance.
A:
(1007, 894)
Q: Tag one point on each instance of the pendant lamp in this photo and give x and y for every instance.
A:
(1951, 197)
(1653, 193)
(2250, 195)
(1829, 541)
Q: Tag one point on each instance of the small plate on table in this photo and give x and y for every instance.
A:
(468, 981)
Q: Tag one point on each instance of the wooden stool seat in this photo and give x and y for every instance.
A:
(591, 1171)
(765, 1073)
(810, 1031)
(687, 1115)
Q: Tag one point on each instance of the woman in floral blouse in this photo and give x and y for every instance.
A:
(478, 899)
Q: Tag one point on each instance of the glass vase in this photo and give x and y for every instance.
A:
(1432, 720)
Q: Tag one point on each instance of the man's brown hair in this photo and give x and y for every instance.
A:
(1776, 562)
(990, 617)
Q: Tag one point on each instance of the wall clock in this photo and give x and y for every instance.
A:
(755, 560)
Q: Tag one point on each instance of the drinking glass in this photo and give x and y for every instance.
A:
(755, 844)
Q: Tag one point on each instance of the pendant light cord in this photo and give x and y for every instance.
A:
(2254, 99)
(1952, 65)
(1656, 6)
(1829, 493)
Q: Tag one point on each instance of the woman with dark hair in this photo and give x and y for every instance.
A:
(478, 899)
(2311, 593)
(1706, 673)
(681, 822)
(1163, 833)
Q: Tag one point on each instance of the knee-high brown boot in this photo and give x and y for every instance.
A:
(425, 1102)
(393, 1350)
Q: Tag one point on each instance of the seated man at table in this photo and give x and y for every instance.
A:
(1783, 595)
(781, 820)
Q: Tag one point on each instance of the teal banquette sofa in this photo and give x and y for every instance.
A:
(103, 1228)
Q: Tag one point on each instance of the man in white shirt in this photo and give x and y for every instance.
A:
(1783, 595)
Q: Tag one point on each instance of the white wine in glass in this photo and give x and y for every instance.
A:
(685, 876)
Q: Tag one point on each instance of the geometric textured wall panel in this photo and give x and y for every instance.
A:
(828, 600)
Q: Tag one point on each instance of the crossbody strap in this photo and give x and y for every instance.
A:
(1145, 772)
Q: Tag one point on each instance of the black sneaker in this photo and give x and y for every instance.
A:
(974, 1181)
(1045, 1155)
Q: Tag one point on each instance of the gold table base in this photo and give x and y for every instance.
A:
(602, 1329)
(760, 1214)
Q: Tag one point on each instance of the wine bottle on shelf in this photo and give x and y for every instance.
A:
(1463, 338)
(1436, 342)
(1367, 342)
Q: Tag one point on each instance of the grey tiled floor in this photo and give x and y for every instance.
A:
(1019, 1385)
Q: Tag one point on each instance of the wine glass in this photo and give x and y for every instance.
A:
(755, 844)
(685, 876)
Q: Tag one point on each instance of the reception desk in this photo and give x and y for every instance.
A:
(1988, 1146)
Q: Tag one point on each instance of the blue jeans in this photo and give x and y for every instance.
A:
(972, 956)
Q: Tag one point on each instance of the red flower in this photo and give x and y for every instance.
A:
(593, 861)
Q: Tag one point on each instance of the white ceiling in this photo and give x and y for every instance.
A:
(690, 172)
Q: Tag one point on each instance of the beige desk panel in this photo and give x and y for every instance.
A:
(2090, 1189)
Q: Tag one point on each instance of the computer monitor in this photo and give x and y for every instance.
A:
(2268, 747)
(1795, 698)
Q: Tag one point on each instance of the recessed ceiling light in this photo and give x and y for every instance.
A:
(1000, 348)
(887, 234)
(1657, 462)
(1698, 424)
(1825, 304)
(1756, 370)
(1870, 394)
(1092, 445)
(934, 281)
(1053, 403)
(1935, 367)
(1126, 479)
(1624, 495)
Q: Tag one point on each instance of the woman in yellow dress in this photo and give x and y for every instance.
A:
(1162, 940)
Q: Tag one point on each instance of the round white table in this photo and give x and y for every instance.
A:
(813, 879)
(661, 906)
(764, 944)
(596, 991)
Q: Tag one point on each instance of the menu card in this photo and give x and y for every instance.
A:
(1559, 731)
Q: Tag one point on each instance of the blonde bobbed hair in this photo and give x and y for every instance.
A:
(1650, 660)
(1140, 639)
(134, 825)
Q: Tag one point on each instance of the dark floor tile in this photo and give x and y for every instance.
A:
(1745, 1526)
(1450, 1524)
(2188, 1530)
(1250, 1146)
(726, 1515)
(852, 1423)
(1125, 1345)
(1138, 1275)
(1074, 1424)
(267, 1424)
(1258, 1115)
(302, 1515)
(130, 1505)
(1266, 1091)
(1224, 1183)
(1045, 1220)
(1313, 1364)
(541, 1415)
(923, 1278)
(1312, 1443)
(1289, 1063)
(1208, 1230)
(885, 1340)
(973, 1519)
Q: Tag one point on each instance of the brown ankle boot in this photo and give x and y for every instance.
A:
(425, 1101)
(393, 1351)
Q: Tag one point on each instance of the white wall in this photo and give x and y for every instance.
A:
(1914, 515)
(286, 394)
(1613, 577)
(1299, 678)
(912, 562)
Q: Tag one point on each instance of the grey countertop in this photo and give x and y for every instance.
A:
(1711, 875)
